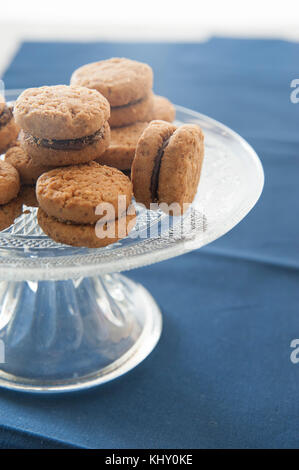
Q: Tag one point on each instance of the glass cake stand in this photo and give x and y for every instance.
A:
(68, 319)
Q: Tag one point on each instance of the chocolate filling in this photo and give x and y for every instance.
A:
(156, 171)
(5, 116)
(132, 103)
(69, 144)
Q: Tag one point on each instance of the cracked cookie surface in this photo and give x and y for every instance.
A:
(120, 80)
(61, 112)
(73, 193)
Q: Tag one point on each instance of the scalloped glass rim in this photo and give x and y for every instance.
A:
(231, 184)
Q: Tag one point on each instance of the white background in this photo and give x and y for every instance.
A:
(143, 20)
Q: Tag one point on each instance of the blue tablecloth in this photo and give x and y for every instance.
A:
(221, 375)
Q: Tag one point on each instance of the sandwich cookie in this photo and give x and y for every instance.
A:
(167, 164)
(8, 129)
(163, 109)
(123, 143)
(72, 194)
(63, 125)
(80, 206)
(127, 85)
(28, 169)
(86, 235)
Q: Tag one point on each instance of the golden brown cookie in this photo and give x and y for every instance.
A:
(126, 84)
(167, 164)
(9, 212)
(123, 142)
(89, 236)
(61, 112)
(73, 193)
(28, 169)
(9, 182)
(8, 129)
(63, 125)
(66, 152)
(163, 109)
(120, 80)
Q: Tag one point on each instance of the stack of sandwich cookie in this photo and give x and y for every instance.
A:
(62, 125)
(10, 204)
(78, 202)
(127, 85)
(8, 129)
(167, 165)
(68, 127)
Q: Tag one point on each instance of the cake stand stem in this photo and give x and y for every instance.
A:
(69, 335)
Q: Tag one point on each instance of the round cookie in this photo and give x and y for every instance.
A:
(65, 152)
(139, 111)
(61, 112)
(8, 129)
(126, 84)
(28, 169)
(85, 235)
(9, 182)
(73, 193)
(123, 142)
(167, 164)
(120, 80)
(9, 212)
(163, 109)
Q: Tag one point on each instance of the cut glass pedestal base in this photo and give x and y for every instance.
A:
(68, 335)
